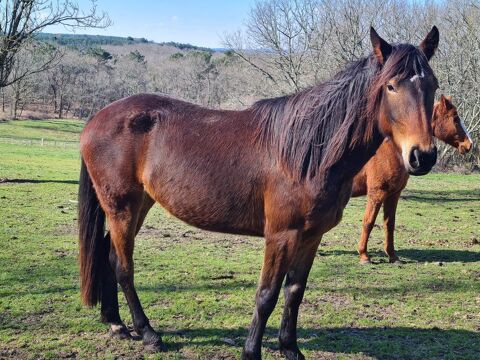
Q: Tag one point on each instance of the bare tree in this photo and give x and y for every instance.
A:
(296, 43)
(281, 41)
(20, 20)
(287, 45)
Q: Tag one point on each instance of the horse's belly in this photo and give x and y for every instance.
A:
(214, 217)
(207, 202)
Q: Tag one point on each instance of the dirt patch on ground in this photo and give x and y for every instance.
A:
(6, 353)
(218, 355)
(338, 301)
(67, 229)
(177, 234)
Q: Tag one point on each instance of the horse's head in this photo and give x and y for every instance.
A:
(404, 92)
(448, 127)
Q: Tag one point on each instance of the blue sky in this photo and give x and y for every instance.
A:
(198, 22)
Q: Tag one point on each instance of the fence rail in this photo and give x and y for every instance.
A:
(39, 142)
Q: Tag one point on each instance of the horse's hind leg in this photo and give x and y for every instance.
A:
(389, 212)
(295, 284)
(109, 309)
(374, 203)
(147, 204)
(124, 225)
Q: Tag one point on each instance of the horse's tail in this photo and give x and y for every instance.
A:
(93, 245)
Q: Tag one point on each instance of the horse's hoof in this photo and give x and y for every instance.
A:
(250, 356)
(119, 331)
(156, 347)
(153, 342)
(292, 354)
(365, 262)
(395, 261)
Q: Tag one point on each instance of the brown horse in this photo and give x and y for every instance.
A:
(384, 177)
(282, 169)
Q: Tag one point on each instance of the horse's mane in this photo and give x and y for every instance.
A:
(315, 127)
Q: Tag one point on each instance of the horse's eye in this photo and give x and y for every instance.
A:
(390, 87)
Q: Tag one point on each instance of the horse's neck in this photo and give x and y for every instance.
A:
(358, 157)
(353, 160)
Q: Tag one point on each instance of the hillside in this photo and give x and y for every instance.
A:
(85, 41)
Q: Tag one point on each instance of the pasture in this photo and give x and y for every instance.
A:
(198, 287)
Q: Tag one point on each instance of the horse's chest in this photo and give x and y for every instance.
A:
(328, 209)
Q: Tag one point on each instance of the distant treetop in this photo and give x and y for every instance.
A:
(86, 41)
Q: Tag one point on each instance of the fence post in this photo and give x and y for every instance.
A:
(42, 141)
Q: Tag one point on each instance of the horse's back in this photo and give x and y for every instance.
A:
(200, 164)
(114, 139)
(134, 122)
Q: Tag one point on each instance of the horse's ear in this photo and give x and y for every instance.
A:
(430, 44)
(446, 102)
(443, 100)
(381, 49)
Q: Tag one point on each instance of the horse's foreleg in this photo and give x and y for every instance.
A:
(123, 228)
(294, 289)
(371, 211)
(389, 212)
(279, 251)
(109, 308)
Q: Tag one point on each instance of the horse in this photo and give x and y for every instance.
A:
(281, 169)
(384, 177)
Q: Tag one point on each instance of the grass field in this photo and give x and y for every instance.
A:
(198, 287)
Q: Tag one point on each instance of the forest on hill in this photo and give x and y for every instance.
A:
(286, 46)
(79, 41)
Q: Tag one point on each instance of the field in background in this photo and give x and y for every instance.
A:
(198, 287)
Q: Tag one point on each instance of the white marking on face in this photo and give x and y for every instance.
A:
(405, 155)
(416, 76)
(466, 131)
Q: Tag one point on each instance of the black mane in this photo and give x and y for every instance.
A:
(315, 127)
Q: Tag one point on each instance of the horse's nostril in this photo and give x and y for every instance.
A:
(464, 147)
(415, 158)
(468, 146)
(422, 160)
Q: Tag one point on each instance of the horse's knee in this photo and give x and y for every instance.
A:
(266, 300)
(124, 276)
(294, 294)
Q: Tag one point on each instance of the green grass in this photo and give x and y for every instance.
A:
(198, 287)
(59, 130)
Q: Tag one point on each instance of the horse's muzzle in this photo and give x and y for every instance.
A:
(421, 162)
(465, 146)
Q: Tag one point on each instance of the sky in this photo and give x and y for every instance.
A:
(201, 22)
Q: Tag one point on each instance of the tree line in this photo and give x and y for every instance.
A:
(308, 40)
(287, 45)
